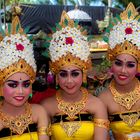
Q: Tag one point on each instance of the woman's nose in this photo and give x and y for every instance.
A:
(69, 78)
(20, 90)
(124, 69)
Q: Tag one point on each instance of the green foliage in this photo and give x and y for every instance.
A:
(26, 30)
(76, 23)
(46, 54)
(53, 29)
(90, 37)
(105, 38)
(119, 18)
(8, 2)
(9, 28)
(103, 67)
(72, 2)
(124, 3)
(58, 26)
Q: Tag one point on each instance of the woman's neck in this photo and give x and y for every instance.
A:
(11, 109)
(126, 88)
(77, 96)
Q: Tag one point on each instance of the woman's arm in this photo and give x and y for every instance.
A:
(43, 123)
(101, 122)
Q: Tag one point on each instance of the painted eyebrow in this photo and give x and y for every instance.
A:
(126, 62)
(14, 81)
(71, 71)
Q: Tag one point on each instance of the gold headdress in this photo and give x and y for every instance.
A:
(16, 52)
(123, 34)
(69, 46)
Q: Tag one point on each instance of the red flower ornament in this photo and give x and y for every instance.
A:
(69, 40)
(128, 30)
(19, 47)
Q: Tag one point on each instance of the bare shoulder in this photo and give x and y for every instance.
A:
(104, 93)
(50, 105)
(38, 112)
(97, 107)
(93, 100)
(37, 108)
(48, 101)
(106, 97)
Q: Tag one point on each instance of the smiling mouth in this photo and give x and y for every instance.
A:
(19, 98)
(122, 77)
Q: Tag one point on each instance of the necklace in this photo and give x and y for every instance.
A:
(17, 124)
(71, 109)
(128, 99)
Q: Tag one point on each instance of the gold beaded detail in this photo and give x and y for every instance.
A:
(17, 124)
(71, 109)
(102, 123)
(126, 100)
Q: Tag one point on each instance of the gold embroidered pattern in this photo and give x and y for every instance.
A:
(71, 109)
(45, 130)
(19, 123)
(126, 100)
(102, 123)
(130, 119)
(70, 127)
(42, 130)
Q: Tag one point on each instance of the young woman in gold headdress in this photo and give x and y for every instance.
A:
(74, 113)
(19, 120)
(122, 98)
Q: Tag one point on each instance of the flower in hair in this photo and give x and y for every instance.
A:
(69, 40)
(128, 30)
(19, 47)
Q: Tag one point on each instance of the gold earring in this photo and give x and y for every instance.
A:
(56, 81)
(84, 78)
(1, 90)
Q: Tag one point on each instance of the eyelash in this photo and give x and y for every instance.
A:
(129, 65)
(65, 74)
(118, 63)
(13, 85)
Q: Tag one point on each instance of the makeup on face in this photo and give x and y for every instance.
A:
(73, 73)
(128, 64)
(15, 84)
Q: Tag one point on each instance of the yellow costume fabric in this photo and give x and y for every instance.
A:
(121, 130)
(5, 134)
(26, 136)
(84, 132)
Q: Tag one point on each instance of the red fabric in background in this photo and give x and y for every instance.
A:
(39, 96)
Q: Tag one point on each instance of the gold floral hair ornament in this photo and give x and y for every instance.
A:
(16, 52)
(69, 46)
(123, 34)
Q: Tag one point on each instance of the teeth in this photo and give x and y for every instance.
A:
(123, 77)
(19, 97)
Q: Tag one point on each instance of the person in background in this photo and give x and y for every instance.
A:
(74, 113)
(122, 97)
(19, 120)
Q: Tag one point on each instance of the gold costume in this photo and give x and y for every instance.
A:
(16, 55)
(84, 132)
(68, 46)
(122, 35)
(121, 129)
(29, 134)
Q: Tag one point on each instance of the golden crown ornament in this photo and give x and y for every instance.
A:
(123, 34)
(69, 46)
(16, 52)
